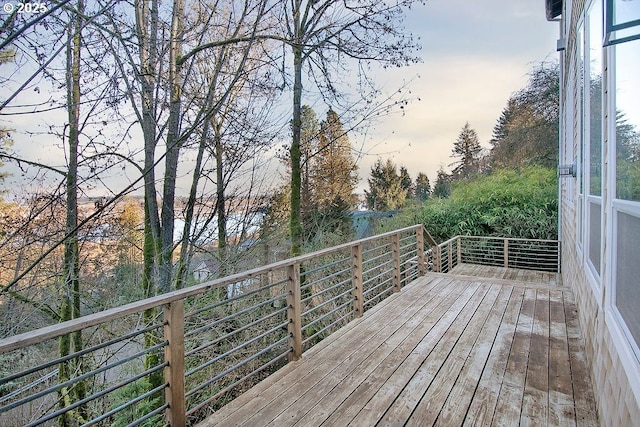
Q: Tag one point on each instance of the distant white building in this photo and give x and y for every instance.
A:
(208, 269)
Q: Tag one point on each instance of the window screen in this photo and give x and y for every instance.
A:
(628, 272)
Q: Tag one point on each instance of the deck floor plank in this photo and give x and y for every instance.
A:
(439, 391)
(535, 402)
(561, 408)
(583, 392)
(342, 403)
(485, 398)
(448, 350)
(455, 408)
(299, 371)
(512, 388)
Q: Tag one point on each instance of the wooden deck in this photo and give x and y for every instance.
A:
(514, 275)
(448, 350)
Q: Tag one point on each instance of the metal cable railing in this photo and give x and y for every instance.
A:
(529, 254)
(173, 358)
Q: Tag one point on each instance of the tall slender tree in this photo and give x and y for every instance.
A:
(333, 171)
(309, 143)
(406, 182)
(322, 35)
(385, 187)
(467, 150)
(442, 187)
(422, 187)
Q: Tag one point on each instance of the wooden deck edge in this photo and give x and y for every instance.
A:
(499, 281)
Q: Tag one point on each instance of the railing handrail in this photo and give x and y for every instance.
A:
(317, 303)
(53, 331)
(511, 239)
(510, 254)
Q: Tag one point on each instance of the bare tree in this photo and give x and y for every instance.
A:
(322, 36)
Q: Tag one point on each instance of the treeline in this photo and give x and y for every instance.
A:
(525, 134)
(507, 190)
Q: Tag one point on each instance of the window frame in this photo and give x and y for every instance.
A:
(610, 28)
(625, 341)
(587, 199)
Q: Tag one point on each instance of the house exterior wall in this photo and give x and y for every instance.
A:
(610, 353)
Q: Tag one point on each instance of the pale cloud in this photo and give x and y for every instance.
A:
(475, 56)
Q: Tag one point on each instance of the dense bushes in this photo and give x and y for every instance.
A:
(508, 203)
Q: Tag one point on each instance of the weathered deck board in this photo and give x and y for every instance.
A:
(447, 351)
(510, 274)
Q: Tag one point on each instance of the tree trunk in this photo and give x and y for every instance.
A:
(173, 150)
(220, 202)
(147, 33)
(185, 246)
(295, 224)
(70, 308)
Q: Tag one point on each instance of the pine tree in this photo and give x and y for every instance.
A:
(385, 187)
(309, 134)
(422, 187)
(333, 174)
(442, 188)
(332, 177)
(405, 181)
(467, 149)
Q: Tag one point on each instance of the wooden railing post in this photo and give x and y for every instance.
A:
(506, 253)
(294, 312)
(459, 255)
(358, 292)
(422, 264)
(438, 259)
(395, 249)
(450, 255)
(174, 356)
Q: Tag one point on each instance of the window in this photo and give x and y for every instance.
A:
(627, 295)
(592, 129)
(594, 79)
(627, 65)
(626, 205)
(580, 136)
(622, 21)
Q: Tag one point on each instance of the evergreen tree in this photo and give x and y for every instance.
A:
(442, 188)
(527, 131)
(422, 187)
(332, 178)
(467, 150)
(309, 133)
(385, 187)
(405, 181)
(333, 174)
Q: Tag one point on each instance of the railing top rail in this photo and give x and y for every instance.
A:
(446, 242)
(53, 331)
(504, 238)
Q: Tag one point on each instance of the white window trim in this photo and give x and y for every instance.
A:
(625, 348)
(625, 345)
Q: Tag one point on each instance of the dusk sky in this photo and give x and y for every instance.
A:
(475, 55)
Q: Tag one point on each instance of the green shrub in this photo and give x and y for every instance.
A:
(508, 203)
